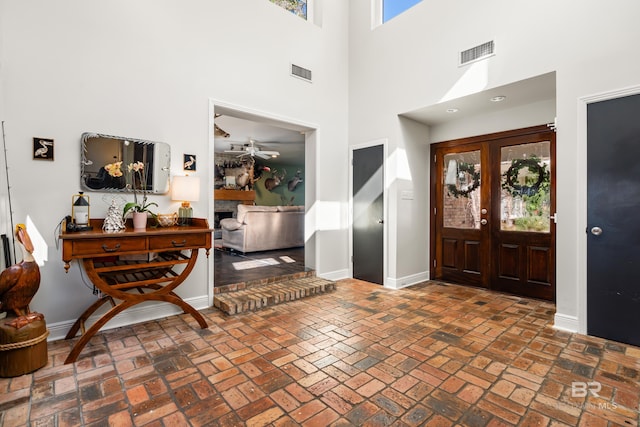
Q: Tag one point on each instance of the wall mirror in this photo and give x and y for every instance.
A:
(100, 152)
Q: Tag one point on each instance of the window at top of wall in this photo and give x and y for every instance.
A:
(297, 7)
(393, 8)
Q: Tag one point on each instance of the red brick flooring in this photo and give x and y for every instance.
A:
(431, 354)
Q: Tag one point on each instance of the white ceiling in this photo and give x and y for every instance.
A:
(535, 89)
(290, 143)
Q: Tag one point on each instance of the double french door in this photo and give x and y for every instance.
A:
(493, 222)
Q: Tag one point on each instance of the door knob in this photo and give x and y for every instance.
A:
(596, 231)
(483, 221)
(483, 211)
(380, 221)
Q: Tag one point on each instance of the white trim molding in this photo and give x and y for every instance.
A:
(406, 281)
(335, 275)
(131, 316)
(565, 322)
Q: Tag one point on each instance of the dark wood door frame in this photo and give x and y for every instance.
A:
(486, 188)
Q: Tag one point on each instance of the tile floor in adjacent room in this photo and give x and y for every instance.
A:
(268, 264)
(431, 354)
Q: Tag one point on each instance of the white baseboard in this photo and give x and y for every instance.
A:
(335, 275)
(136, 314)
(405, 281)
(567, 323)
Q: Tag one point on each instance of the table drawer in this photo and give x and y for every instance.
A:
(177, 241)
(107, 246)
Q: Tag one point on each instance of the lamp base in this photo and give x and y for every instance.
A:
(185, 215)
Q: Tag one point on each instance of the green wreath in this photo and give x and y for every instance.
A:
(475, 177)
(533, 165)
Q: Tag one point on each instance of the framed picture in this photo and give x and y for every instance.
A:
(42, 149)
(189, 162)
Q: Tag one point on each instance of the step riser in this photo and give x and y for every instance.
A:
(262, 282)
(270, 295)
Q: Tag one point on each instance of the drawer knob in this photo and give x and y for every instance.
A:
(108, 249)
(179, 245)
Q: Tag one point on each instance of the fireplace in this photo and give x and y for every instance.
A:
(219, 216)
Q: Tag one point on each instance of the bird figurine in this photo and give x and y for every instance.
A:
(20, 282)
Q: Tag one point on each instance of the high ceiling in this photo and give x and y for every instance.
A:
(289, 139)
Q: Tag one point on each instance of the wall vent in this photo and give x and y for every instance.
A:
(477, 53)
(300, 72)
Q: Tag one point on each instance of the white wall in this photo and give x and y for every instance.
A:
(147, 69)
(411, 62)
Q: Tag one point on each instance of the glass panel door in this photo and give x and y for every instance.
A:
(525, 181)
(461, 195)
(493, 197)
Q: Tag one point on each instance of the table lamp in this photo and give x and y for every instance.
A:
(185, 189)
(80, 212)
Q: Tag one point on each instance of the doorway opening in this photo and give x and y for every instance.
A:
(259, 199)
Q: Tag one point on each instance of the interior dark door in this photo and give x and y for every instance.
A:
(368, 214)
(494, 203)
(613, 229)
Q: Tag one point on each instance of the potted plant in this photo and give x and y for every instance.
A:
(139, 210)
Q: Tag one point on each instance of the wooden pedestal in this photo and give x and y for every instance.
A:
(22, 350)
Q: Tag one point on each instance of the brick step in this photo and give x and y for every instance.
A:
(258, 297)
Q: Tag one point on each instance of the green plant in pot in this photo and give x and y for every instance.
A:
(137, 178)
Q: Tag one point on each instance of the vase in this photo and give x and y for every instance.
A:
(139, 220)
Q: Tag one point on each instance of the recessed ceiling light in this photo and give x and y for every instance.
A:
(498, 98)
(452, 110)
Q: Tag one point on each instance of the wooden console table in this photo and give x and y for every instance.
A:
(140, 261)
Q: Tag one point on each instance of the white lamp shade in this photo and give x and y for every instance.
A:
(185, 188)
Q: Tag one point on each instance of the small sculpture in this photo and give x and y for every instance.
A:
(114, 220)
(20, 282)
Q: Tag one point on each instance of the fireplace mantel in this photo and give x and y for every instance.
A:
(246, 197)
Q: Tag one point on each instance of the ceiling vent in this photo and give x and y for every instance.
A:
(300, 72)
(477, 53)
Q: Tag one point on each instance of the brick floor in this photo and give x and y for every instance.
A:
(432, 354)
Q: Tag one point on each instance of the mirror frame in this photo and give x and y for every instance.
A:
(160, 169)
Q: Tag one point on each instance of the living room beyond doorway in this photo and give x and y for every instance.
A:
(259, 201)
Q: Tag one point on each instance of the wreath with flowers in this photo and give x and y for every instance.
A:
(470, 169)
(537, 169)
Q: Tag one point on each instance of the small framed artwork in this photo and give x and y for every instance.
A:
(42, 149)
(189, 162)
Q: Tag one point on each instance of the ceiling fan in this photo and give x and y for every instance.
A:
(252, 150)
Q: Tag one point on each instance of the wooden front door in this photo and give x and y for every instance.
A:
(493, 200)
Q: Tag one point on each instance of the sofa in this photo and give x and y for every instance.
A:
(264, 228)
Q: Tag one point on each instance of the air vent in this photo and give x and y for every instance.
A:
(477, 53)
(302, 73)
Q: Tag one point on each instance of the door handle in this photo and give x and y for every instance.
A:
(596, 231)
(483, 221)
(380, 221)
